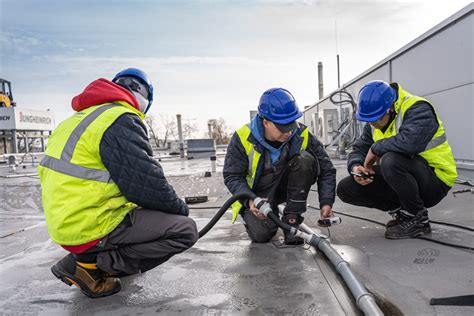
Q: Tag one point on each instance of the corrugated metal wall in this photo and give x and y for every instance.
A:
(439, 66)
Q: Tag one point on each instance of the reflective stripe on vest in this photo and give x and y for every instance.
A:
(64, 165)
(433, 143)
(79, 130)
(80, 201)
(253, 160)
(73, 170)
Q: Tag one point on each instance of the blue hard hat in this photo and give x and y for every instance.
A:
(139, 84)
(375, 98)
(279, 106)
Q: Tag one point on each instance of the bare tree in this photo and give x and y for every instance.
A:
(220, 132)
(170, 128)
(189, 129)
(166, 128)
(150, 121)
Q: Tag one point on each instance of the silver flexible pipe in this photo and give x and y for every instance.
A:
(365, 301)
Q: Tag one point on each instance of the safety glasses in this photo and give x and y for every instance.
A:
(380, 119)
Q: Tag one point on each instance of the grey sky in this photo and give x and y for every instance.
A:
(207, 59)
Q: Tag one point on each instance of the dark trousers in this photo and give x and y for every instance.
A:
(293, 187)
(144, 240)
(399, 181)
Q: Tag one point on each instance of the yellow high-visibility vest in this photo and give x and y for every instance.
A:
(437, 153)
(81, 202)
(253, 160)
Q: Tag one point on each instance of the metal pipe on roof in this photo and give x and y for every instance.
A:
(213, 163)
(180, 135)
(365, 300)
(320, 80)
(338, 73)
(209, 129)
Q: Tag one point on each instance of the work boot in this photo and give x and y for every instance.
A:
(293, 220)
(398, 216)
(86, 276)
(411, 226)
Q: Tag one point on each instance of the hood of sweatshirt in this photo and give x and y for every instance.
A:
(103, 91)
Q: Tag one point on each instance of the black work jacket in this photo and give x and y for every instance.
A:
(236, 165)
(126, 153)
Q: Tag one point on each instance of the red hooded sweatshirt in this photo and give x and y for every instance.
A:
(98, 92)
(103, 91)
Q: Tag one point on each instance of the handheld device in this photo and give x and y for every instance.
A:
(195, 199)
(362, 175)
(329, 221)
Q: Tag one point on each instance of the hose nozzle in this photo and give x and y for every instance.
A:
(262, 205)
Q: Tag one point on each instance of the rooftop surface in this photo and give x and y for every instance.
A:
(225, 273)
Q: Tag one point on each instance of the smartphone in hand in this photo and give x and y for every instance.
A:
(362, 175)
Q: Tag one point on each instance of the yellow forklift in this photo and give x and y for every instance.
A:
(6, 96)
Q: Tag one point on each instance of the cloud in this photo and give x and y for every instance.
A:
(90, 66)
(207, 57)
(17, 44)
(23, 45)
(162, 61)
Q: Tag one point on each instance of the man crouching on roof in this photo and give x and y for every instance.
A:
(105, 199)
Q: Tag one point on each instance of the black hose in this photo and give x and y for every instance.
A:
(223, 209)
(372, 221)
(453, 225)
(419, 237)
(274, 217)
(203, 207)
(446, 243)
(348, 99)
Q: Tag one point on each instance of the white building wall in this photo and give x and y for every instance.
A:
(444, 75)
(438, 65)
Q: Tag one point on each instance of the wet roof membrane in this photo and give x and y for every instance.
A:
(225, 273)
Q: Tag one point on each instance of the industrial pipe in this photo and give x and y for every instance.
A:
(213, 163)
(180, 135)
(364, 300)
(320, 80)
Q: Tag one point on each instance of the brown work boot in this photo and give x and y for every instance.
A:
(86, 276)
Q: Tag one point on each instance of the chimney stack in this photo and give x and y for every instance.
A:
(320, 80)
